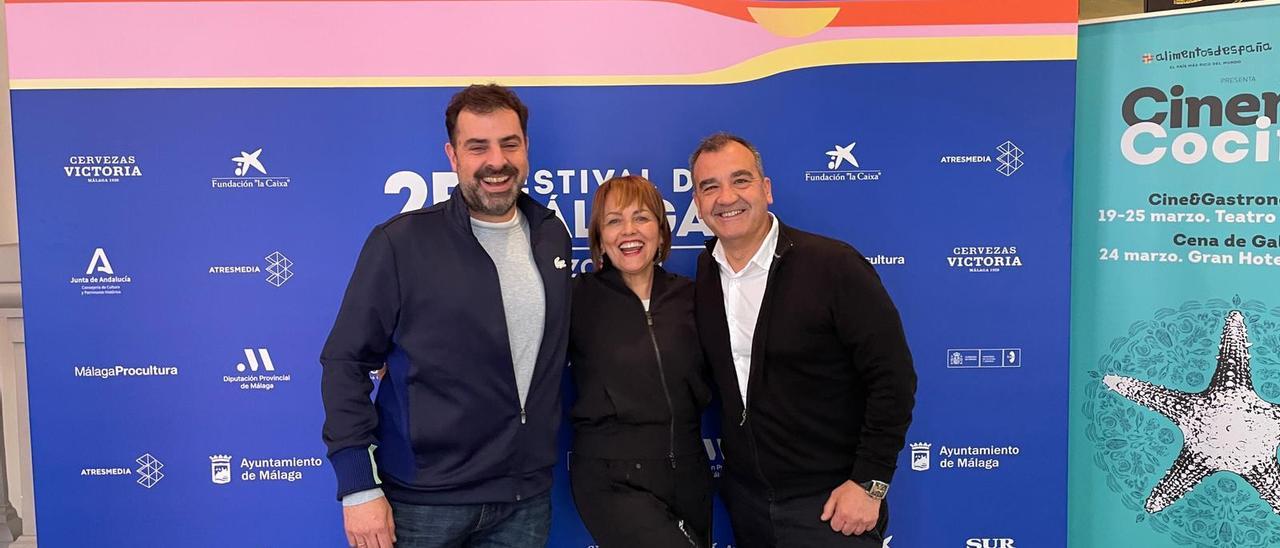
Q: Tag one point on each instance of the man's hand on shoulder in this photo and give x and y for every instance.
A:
(850, 510)
(369, 525)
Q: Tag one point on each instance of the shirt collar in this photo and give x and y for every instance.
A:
(763, 258)
(500, 226)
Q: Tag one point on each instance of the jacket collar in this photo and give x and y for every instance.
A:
(612, 277)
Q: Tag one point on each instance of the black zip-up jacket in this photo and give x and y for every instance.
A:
(425, 299)
(641, 384)
(831, 386)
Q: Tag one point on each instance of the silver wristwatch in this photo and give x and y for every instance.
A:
(876, 488)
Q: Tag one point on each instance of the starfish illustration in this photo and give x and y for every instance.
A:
(1226, 427)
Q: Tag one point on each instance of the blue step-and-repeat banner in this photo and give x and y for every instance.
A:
(177, 294)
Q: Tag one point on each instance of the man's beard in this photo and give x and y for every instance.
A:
(488, 203)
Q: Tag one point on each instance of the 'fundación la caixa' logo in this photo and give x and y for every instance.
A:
(1183, 423)
(250, 173)
(842, 166)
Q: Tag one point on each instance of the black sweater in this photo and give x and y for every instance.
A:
(631, 404)
(831, 387)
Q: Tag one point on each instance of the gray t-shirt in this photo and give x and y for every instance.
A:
(523, 300)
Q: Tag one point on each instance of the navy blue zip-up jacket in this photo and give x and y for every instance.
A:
(425, 300)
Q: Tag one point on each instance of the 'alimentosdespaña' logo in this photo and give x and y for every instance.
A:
(102, 169)
(100, 278)
(256, 372)
(1200, 52)
(1008, 159)
(250, 173)
(842, 166)
(278, 267)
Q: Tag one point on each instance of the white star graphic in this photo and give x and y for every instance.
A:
(1227, 427)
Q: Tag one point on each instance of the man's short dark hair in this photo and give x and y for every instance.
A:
(484, 99)
(717, 141)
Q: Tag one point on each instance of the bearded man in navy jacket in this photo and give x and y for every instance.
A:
(466, 303)
(815, 377)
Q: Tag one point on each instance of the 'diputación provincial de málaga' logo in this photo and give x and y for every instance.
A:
(1181, 420)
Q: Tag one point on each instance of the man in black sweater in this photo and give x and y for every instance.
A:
(815, 376)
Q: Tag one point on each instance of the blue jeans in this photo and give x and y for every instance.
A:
(524, 524)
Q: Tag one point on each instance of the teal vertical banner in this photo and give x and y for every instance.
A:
(1175, 300)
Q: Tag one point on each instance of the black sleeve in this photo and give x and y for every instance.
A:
(871, 331)
(358, 344)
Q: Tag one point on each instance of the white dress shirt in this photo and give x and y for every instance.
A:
(743, 292)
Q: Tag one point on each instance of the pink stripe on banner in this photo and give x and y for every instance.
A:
(404, 39)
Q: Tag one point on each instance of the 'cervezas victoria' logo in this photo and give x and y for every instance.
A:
(102, 169)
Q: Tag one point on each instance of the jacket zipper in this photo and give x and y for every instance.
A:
(666, 392)
(533, 250)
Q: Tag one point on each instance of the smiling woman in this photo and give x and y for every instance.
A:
(639, 472)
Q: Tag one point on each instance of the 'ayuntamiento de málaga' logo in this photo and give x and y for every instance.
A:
(920, 456)
(1225, 463)
(220, 469)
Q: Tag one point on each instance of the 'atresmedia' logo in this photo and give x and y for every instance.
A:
(149, 473)
(279, 269)
(1008, 159)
